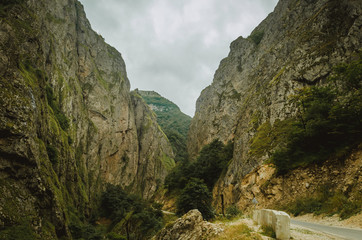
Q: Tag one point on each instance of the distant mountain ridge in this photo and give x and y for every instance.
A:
(173, 122)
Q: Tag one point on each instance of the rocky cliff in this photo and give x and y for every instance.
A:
(168, 113)
(173, 122)
(302, 183)
(155, 151)
(68, 123)
(296, 45)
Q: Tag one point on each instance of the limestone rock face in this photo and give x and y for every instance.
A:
(68, 123)
(189, 227)
(296, 45)
(155, 151)
(271, 191)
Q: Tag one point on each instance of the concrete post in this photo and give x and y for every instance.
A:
(278, 220)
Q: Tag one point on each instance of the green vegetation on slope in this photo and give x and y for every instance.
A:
(23, 230)
(122, 216)
(328, 123)
(209, 165)
(327, 201)
(173, 122)
(203, 172)
(195, 195)
(256, 36)
(62, 119)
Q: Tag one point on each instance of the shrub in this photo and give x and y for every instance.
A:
(326, 202)
(195, 195)
(90, 232)
(52, 154)
(232, 211)
(350, 208)
(257, 36)
(305, 205)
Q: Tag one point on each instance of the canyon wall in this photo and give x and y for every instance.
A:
(68, 122)
(297, 45)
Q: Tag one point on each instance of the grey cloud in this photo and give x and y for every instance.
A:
(174, 47)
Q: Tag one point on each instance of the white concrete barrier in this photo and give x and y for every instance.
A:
(278, 220)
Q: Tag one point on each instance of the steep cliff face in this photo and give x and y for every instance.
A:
(296, 45)
(156, 155)
(68, 123)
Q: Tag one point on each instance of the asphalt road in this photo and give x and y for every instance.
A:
(343, 233)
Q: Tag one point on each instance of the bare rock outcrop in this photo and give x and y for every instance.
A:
(190, 226)
(271, 191)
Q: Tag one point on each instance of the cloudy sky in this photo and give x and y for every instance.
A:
(174, 46)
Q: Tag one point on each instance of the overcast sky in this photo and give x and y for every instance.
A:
(174, 46)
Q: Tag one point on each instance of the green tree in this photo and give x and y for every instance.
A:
(179, 176)
(195, 195)
(131, 216)
(213, 158)
(209, 165)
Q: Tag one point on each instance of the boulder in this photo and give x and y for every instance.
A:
(190, 226)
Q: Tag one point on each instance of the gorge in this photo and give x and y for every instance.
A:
(71, 129)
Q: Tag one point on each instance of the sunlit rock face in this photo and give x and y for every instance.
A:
(296, 45)
(68, 124)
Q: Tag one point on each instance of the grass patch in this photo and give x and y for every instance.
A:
(167, 162)
(54, 19)
(59, 115)
(276, 78)
(268, 231)
(238, 232)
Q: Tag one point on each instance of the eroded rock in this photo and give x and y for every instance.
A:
(191, 226)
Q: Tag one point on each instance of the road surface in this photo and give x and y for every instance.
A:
(343, 233)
